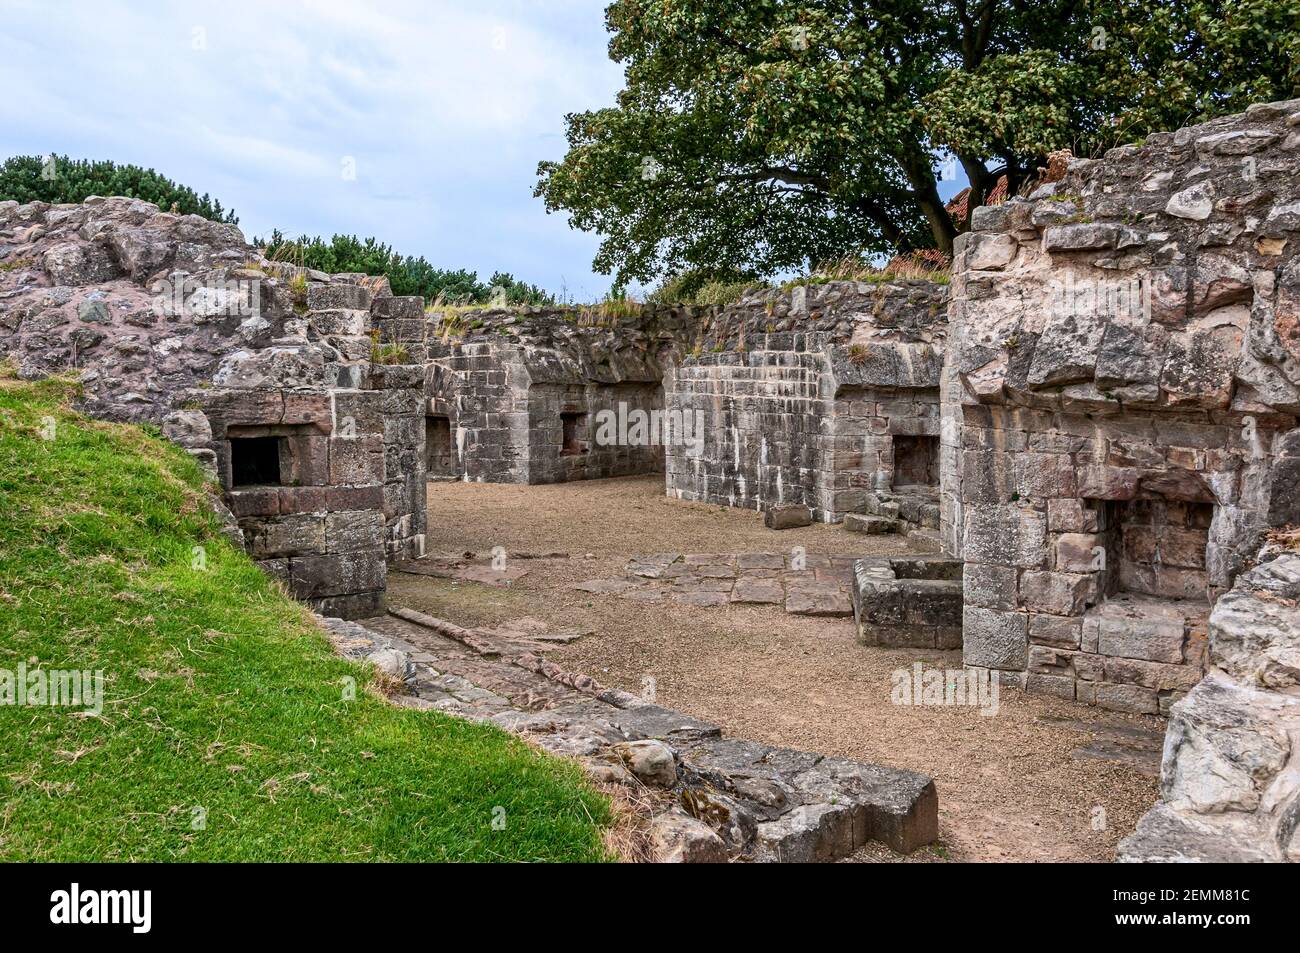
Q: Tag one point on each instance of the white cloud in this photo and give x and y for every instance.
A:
(446, 109)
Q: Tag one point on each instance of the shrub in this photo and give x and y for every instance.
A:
(703, 287)
(59, 179)
(408, 275)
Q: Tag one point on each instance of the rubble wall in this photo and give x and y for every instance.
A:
(264, 371)
(1121, 394)
(1228, 790)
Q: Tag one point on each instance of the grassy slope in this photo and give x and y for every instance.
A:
(220, 692)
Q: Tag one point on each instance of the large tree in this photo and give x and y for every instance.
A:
(759, 135)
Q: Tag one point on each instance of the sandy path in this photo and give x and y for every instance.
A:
(1009, 786)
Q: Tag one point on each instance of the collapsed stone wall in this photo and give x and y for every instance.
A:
(1123, 382)
(264, 371)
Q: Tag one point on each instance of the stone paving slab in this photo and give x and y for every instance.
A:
(815, 585)
(719, 799)
(460, 570)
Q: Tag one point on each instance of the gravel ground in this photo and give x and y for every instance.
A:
(1010, 787)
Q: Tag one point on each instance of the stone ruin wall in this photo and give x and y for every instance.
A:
(515, 396)
(1116, 421)
(1229, 788)
(810, 417)
(262, 371)
(1124, 377)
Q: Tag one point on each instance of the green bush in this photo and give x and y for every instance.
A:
(407, 274)
(703, 287)
(59, 179)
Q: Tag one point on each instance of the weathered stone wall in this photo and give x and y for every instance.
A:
(512, 384)
(514, 414)
(1124, 372)
(756, 426)
(1228, 790)
(812, 419)
(503, 379)
(262, 370)
(574, 431)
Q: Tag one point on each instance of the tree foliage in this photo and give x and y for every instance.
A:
(760, 135)
(408, 275)
(59, 179)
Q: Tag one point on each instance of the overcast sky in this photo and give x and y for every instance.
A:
(444, 109)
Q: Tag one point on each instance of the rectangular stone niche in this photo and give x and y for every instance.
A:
(1157, 547)
(916, 461)
(275, 455)
(573, 432)
(255, 461)
(437, 443)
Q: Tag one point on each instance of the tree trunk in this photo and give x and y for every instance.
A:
(926, 192)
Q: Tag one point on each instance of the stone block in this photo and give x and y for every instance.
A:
(354, 531)
(990, 252)
(1080, 237)
(751, 590)
(340, 321)
(259, 501)
(1080, 552)
(1065, 516)
(1153, 640)
(1059, 686)
(1058, 593)
(870, 525)
(1128, 698)
(398, 306)
(787, 516)
(991, 587)
(303, 499)
(1055, 631)
(302, 409)
(995, 639)
(357, 605)
(1159, 676)
(354, 497)
(332, 297)
(356, 461)
(1005, 535)
(291, 535)
(336, 574)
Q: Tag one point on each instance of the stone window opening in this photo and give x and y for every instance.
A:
(572, 426)
(437, 444)
(916, 461)
(255, 461)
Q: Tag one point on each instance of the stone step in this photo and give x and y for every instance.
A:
(870, 525)
(925, 540)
